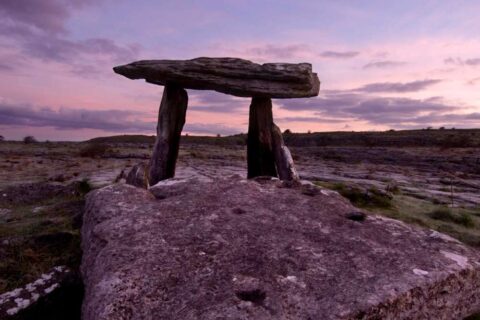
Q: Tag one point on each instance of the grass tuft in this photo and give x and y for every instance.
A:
(364, 198)
(445, 214)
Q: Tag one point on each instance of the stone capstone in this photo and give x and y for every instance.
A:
(247, 249)
(232, 76)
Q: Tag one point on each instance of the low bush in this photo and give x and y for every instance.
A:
(94, 150)
(29, 139)
(445, 214)
(367, 198)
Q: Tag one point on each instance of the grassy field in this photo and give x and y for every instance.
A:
(460, 223)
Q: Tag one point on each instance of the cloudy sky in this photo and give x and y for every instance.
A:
(383, 64)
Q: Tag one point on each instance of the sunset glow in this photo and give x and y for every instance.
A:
(382, 64)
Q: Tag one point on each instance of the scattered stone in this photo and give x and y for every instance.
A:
(4, 211)
(173, 187)
(310, 190)
(288, 184)
(185, 257)
(233, 76)
(265, 179)
(31, 301)
(138, 176)
(39, 209)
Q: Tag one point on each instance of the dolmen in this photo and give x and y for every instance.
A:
(267, 154)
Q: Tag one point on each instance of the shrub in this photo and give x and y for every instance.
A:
(466, 220)
(445, 214)
(370, 198)
(29, 139)
(93, 150)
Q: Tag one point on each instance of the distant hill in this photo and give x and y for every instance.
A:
(447, 138)
(239, 139)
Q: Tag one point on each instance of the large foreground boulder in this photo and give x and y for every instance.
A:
(255, 249)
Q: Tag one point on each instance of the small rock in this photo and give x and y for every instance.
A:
(138, 176)
(38, 209)
(4, 211)
(310, 190)
(265, 180)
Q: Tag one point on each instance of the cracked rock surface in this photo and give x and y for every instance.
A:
(244, 249)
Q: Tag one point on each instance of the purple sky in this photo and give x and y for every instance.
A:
(382, 64)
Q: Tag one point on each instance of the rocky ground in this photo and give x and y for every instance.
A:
(42, 187)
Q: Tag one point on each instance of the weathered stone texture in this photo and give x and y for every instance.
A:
(233, 76)
(260, 155)
(171, 118)
(283, 158)
(242, 249)
(138, 176)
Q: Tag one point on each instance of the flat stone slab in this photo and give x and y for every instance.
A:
(255, 249)
(233, 76)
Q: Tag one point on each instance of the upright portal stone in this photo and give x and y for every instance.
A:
(283, 159)
(260, 156)
(171, 118)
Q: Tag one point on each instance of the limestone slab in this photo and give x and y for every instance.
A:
(232, 76)
(245, 249)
